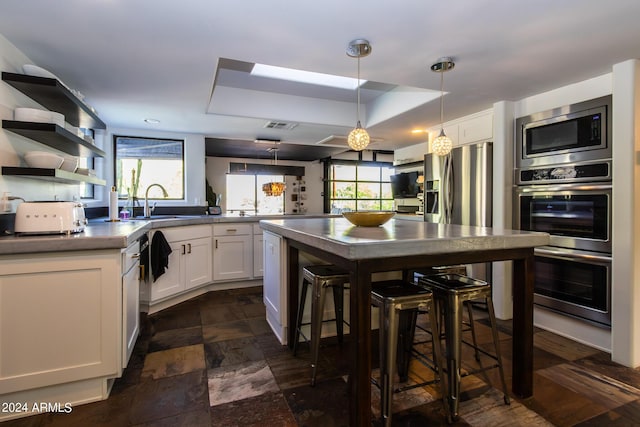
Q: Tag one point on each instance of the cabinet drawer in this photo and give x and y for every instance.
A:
(231, 229)
(175, 234)
(130, 256)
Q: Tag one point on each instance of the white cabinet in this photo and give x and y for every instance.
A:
(410, 154)
(189, 261)
(232, 251)
(476, 129)
(60, 326)
(274, 296)
(469, 129)
(257, 251)
(130, 300)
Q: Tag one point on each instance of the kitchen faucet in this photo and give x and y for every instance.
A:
(147, 210)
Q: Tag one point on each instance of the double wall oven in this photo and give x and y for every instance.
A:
(563, 187)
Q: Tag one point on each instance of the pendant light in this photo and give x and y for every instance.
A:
(274, 188)
(358, 138)
(441, 146)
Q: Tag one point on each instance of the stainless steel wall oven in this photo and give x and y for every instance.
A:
(563, 181)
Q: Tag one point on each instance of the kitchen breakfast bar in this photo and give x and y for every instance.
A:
(407, 245)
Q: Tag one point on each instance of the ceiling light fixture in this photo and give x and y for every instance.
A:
(274, 188)
(152, 121)
(441, 146)
(358, 138)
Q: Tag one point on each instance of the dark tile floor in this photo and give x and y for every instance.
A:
(213, 361)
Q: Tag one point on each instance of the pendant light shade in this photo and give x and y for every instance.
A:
(273, 188)
(358, 138)
(442, 145)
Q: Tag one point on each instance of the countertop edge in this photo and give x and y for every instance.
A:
(436, 244)
(100, 234)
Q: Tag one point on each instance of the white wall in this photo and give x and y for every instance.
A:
(625, 338)
(13, 146)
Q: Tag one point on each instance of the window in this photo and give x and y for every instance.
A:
(87, 191)
(140, 162)
(359, 186)
(244, 193)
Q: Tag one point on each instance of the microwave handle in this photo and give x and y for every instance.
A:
(570, 256)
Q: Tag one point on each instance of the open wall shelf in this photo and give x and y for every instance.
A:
(55, 137)
(55, 175)
(54, 96)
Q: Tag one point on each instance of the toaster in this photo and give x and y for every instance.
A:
(50, 218)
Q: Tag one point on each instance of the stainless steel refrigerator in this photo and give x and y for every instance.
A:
(457, 190)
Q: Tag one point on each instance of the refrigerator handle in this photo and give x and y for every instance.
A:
(448, 188)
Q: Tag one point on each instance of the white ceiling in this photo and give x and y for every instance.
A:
(185, 63)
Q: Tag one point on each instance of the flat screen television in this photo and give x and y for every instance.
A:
(404, 185)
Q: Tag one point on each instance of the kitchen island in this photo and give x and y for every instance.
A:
(405, 245)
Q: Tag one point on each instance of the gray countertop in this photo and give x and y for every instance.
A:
(399, 237)
(100, 234)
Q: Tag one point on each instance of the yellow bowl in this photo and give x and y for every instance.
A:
(368, 218)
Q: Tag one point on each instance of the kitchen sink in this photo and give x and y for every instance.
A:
(152, 217)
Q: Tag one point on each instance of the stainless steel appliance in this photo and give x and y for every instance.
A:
(574, 275)
(569, 134)
(564, 178)
(577, 216)
(50, 218)
(573, 282)
(457, 190)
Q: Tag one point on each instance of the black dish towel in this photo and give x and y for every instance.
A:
(160, 251)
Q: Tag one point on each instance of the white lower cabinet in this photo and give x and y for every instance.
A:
(189, 261)
(130, 300)
(274, 297)
(258, 266)
(232, 251)
(60, 326)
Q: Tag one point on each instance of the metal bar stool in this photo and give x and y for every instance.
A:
(451, 269)
(399, 303)
(320, 277)
(451, 291)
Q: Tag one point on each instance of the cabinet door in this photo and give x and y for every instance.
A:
(197, 262)
(170, 283)
(60, 317)
(476, 129)
(257, 255)
(130, 311)
(232, 257)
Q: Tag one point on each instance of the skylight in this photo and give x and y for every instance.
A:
(308, 77)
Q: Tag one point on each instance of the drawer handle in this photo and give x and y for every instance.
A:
(184, 250)
(188, 248)
(135, 256)
(231, 230)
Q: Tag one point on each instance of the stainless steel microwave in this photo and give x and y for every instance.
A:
(570, 134)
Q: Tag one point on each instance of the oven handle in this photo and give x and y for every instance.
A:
(563, 187)
(558, 253)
